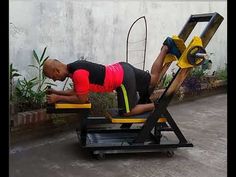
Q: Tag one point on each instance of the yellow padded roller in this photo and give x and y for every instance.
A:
(181, 46)
(179, 43)
(72, 106)
(115, 118)
(169, 58)
(122, 120)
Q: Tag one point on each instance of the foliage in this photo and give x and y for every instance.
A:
(221, 73)
(192, 84)
(13, 73)
(101, 102)
(165, 81)
(27, 97)
(197, 72)
(193, 81)
(206, 65)
(31, 93)
(39, 67)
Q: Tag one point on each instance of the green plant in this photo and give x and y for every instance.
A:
(13, 73)
(27, 98)
(197, 72)
(165, 81)
(101, 102)
(39, 67)
(192, 82)
(221, 73)
(31, 93)
(196, 76)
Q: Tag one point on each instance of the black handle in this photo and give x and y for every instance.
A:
(201, 17)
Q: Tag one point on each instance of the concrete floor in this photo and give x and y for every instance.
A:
(203, 122)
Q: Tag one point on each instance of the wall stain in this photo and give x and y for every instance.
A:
(14, 30)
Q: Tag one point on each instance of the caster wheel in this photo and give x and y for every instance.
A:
(170, 153)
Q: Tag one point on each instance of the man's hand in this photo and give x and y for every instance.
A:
(50, 91)
(52, 98)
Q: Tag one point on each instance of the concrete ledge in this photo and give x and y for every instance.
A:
(48, 126)
(29, 117)
(204, 92)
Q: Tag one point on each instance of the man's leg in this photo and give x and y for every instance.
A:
(157, 66)
(170, 47)
(140, 108)
(155, 76)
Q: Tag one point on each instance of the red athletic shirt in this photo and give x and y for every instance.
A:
(113, 78)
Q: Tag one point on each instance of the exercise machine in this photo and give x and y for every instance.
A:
(145, 132)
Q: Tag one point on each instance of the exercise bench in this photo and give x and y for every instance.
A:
(119, 136)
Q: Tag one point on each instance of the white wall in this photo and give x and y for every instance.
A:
(97, 29)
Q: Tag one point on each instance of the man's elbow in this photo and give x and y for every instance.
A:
(83, 101)
(82, 98)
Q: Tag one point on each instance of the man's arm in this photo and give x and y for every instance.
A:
(80, 92)
(68, 92)
(53, 98)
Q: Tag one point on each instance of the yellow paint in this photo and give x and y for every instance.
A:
(183, 62)
(181, 46)
(72, 106)
(133, 120)
(179, 43)
(169, 58)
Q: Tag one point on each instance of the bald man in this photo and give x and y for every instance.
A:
(122, 77)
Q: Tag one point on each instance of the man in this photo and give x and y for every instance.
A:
(122, 77)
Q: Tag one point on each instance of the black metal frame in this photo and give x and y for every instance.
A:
(149, 136)
(214, 22)
(145, 39)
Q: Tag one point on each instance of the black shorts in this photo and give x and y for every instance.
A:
(134, 88)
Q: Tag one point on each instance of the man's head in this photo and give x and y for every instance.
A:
(55, 70)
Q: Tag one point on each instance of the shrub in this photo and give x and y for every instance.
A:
(30, 93)
(193, 81)
(13, 73)
(221, 73)
(165, 81)
(101, 102)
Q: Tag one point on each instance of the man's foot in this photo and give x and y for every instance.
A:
(172, 48)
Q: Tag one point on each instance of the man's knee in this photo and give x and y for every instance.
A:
(153, 81)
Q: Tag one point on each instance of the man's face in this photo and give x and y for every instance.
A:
(56, 74)
(54, 70)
